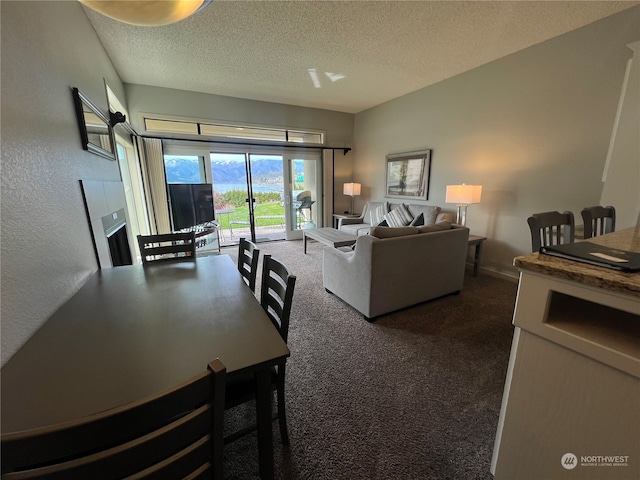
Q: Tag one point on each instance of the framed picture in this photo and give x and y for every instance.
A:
(95, 130)
(408, 175)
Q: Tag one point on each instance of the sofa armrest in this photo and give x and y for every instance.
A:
(348, 274)
(446, 216)
(350, 221)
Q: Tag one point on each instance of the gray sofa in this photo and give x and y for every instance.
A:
(393, 268)
(361, 225)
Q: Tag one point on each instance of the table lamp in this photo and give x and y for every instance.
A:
(463, 195)
(352, 190)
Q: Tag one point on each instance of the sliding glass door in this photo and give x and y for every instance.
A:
(248, 196)
(303, 193)
(259, 193)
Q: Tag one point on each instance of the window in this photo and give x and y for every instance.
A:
(233, 132)
(184, 169)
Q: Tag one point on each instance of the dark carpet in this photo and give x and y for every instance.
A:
(414, 395)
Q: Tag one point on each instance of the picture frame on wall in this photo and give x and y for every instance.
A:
(96, 133)
(407, 175)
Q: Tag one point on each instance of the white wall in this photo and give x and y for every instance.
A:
(533, 128)
(47, 48)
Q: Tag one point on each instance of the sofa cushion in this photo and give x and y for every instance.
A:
(377, 214)
(417, 221)
(436, 227)
(390, 232)
(399, 216)
(430, 212)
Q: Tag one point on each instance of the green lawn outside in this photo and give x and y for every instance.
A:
(261, 210)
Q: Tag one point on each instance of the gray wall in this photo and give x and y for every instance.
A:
(338, 126)
(47, 48)
(533, 128)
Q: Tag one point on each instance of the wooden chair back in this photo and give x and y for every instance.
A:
(551, 228)
(276, 297)
(248, 254)
(598, 220)
(174, 434)
(167, 247)
(276, 294)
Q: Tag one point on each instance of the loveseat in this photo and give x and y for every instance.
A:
(393, 268)
(361, 225)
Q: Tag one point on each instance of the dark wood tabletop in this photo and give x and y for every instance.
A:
(130, 332)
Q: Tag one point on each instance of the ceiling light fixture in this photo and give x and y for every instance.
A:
(147, 13)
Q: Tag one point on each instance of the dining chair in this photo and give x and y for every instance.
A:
(598, 220)
(551, 228)
(167, 247)
(276, 298)
(173, 434)
(248, 253)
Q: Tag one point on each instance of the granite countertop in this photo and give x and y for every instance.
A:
(601, 277)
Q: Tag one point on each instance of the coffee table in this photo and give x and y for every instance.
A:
(328, 236)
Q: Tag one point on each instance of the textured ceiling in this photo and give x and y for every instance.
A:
(363, 53)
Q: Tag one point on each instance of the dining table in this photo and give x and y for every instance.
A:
(132, 331)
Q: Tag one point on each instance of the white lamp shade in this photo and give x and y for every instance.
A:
(147, 13)
(352, 189)
(463, 194)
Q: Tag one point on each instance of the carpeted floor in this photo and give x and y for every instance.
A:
(414, 395)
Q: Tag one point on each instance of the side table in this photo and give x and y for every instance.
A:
(338, 216)
(477, 241)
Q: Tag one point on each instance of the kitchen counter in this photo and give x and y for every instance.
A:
(572, 388)
(600, 277)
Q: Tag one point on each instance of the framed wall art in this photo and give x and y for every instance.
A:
(95, 130)
(408, 175)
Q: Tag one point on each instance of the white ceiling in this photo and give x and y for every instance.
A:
(374, 51)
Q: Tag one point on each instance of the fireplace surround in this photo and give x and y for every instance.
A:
(105, 206)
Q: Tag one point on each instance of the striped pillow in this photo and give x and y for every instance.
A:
(377, 215)
(399, 216)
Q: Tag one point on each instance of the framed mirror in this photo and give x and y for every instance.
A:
(408, 175)
(95, 130)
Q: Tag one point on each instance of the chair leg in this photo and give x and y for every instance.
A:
(282, 417)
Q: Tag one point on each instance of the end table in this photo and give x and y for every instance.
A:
(477, 241)
(338, 216)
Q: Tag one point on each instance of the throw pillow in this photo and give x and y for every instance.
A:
(436, 227)
(388, 232)
(419, 220)
(399, 216)
(377, 215)
(429, 212)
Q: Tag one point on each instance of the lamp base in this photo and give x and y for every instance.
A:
(461, 218)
